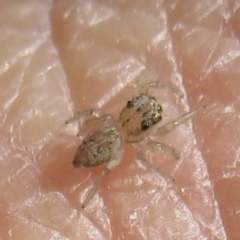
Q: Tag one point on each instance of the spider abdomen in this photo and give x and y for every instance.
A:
(98, 147)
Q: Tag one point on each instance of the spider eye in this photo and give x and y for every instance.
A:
(129, 104)
(144, 125)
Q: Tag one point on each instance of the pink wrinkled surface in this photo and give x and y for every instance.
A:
(62, 56)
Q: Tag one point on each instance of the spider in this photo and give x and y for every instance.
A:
(103, 145)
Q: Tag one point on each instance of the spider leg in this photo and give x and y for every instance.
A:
(173, 124)
(165, 85)
(149, 78)
(90, 117)
(163, 147)
(95, 187)
(84, 114)
(143, 161)
(111, 165)
(105, 119)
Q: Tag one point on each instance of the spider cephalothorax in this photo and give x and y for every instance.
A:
(137, 118)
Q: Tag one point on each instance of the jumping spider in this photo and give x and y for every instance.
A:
(104, 145)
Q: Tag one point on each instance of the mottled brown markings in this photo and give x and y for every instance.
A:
(135, 123)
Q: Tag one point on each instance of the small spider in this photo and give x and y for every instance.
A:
(137, 121)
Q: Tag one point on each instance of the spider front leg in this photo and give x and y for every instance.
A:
(173, 124)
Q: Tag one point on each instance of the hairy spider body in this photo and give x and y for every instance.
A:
(134, 125)
(136, 122)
